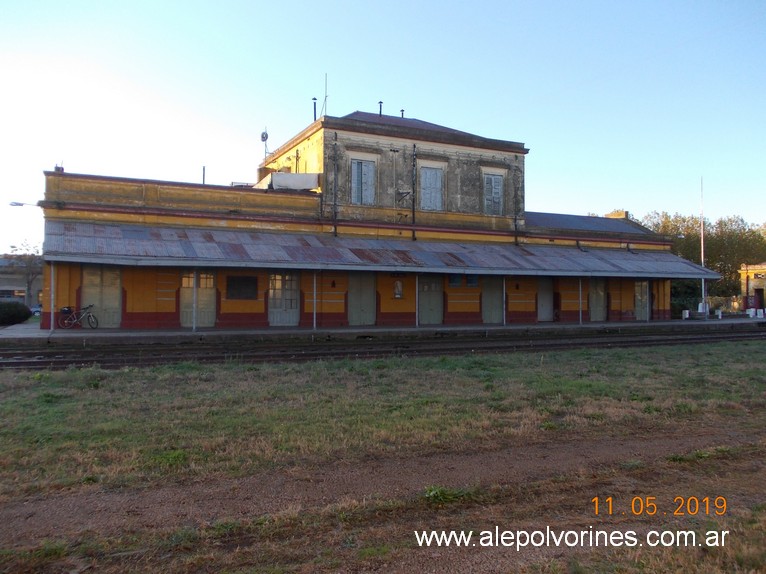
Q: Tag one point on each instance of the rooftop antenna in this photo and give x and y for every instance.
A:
(264, 139)
(324, 104)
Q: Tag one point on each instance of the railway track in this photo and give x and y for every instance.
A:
(116, 356)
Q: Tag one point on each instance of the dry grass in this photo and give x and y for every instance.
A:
(137, 427)
(134, 426)
(359, 535)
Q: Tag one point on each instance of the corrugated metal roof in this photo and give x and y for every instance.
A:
(410, 123)
(152, 246)
(591, 223)
(413, 129)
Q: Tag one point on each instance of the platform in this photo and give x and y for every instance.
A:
(30, 334)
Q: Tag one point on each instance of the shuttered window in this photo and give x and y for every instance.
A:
(431, 189)
(493, 194)
(362, 182)
(242, 287)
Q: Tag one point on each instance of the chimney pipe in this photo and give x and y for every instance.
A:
(402, 112)
(380, 111)
(315, 108)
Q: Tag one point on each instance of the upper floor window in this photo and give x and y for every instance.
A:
(431, 188)
(493, 194)
(362, 182)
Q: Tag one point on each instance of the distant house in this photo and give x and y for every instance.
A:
(21, 279)
(362, 220)
(753, 282)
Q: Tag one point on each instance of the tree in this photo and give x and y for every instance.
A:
(28, 263)
(734, 242)
(729, 242)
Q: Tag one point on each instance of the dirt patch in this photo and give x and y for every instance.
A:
(73, 514)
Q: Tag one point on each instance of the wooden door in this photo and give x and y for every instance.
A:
(545, 299)
(597, 299)
(204, 313)
(492, 300)
(101, 286)
(430, 300)
(284, 299)
(361, 299)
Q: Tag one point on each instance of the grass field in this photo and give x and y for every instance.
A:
(89, 432)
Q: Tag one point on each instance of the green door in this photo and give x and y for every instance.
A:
(597, 299)
(430, 300)
(197, 309)
(102, 288)
(642, 301)
(492, 300)
(361, 299)
(545, 299)
(284, 299)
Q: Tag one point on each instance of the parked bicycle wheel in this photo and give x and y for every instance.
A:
(92, 321)
(67, 321)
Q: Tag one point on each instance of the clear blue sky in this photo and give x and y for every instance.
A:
(622, 104)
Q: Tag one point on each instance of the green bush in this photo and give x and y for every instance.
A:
(13, 312)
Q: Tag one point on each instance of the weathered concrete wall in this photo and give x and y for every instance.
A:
(398, 170)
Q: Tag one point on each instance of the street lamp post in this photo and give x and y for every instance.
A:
(52, 298)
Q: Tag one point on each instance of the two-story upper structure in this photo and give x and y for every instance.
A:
(361, 220)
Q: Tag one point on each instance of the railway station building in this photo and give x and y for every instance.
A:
(361, 220)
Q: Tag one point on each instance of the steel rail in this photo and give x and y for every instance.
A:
(121, 356)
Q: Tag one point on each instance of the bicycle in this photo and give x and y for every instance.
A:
(70, 317)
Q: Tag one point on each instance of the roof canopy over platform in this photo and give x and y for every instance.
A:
(114, 244)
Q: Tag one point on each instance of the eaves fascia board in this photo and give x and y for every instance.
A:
(133, 180)
(127, 261)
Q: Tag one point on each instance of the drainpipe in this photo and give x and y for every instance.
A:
(335, 186)
(53, 296)
(417, 298)
(414, 186)
(505, 302)
(194, 301)
(579, 299)
(315, 300)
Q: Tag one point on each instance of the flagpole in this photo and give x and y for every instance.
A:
(702, 245)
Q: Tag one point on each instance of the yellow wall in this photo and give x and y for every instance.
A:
(462, 299)
(569, 291)
(310, 153)
(73, 196)
(243, 305)
(68, 279)
(150, 290)
(623, 295)
(521, 292)
(661, 295)
(331, 288)
(385, 286)
(614, 288)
